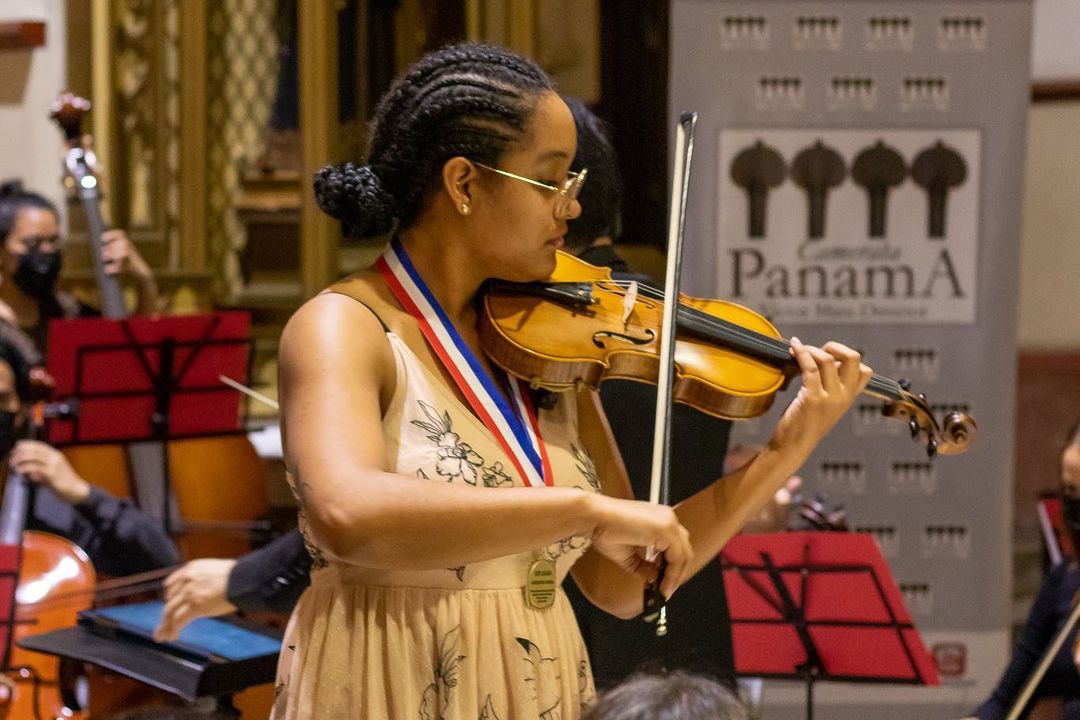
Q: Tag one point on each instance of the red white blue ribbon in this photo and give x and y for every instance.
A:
(514, 426)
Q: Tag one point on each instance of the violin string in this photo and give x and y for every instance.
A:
(756, 341)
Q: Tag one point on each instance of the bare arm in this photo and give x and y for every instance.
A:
(832, 378)
(335, 365)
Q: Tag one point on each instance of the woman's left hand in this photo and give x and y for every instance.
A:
(833, 376)
(121, 257)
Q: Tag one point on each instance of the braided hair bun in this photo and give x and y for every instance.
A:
(354, 195)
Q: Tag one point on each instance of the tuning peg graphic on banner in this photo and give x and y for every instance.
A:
(938, 169)
(817, 170)
(878, 169)
(757, 169)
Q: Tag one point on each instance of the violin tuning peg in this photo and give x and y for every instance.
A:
(904, 384)
(913, 425)
(922, 396)
(931, 448)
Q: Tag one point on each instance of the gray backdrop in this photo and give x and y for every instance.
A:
(933, 305)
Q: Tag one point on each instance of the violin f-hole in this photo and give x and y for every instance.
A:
(648, 337)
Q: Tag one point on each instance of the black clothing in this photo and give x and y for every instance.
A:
(272, 577)
(1052, 607)
(699, 628)
(59, 305)
(604, 256)
(119, 539)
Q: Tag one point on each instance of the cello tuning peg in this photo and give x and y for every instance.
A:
(914, 427)
(931, 448)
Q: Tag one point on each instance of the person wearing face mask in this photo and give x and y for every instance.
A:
(117, 537)
(31, 261)
(1051, 609)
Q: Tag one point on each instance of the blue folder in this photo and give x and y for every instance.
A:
(209, 638)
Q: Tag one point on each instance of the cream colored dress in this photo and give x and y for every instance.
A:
(452, 644)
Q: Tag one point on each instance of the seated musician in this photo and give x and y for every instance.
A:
(116, 536)
(1051, 609)
(31, 259)
(271, 578)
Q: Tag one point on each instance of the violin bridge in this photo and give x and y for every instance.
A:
(629, 299)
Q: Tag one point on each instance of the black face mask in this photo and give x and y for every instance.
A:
(36, 273)
(10, 431)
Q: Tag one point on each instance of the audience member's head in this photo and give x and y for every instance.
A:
(670, 696)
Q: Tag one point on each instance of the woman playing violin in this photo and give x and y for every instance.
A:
(435, 494)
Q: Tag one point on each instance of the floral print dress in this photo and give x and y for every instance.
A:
(458, 643)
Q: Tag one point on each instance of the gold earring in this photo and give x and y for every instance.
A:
(465, 208)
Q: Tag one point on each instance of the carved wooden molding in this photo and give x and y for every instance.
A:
(319, 233)
(22, 34)
(193, 185)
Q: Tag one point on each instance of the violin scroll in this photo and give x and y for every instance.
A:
(953, 436)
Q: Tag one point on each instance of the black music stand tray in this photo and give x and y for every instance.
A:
(149, 380)
(184, 671)
(815, 606)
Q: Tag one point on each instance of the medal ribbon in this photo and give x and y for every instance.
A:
(515, 427)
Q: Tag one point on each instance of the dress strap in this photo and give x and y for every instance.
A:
(350, 288)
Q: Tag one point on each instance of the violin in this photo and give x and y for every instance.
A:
(729, 360)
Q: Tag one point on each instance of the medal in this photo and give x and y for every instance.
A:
(540, 582)
(512, 422)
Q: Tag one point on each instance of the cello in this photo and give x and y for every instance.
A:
(218, 483)
(55, 580)
(198, 507)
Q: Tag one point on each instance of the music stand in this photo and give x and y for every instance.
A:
(1059, 545)
(213, 657)
(10, 555)
(151, 379)
(816, 606)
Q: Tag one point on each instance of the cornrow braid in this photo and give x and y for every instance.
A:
(466, 100)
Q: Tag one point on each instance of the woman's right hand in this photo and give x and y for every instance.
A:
(626, 528)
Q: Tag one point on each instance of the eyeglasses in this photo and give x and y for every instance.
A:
(568, 191)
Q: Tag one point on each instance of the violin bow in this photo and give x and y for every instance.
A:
(660, 482)
(250, 392)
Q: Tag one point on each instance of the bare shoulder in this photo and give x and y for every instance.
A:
(337, 330)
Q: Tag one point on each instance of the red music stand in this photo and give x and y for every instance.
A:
(148, 379)
(815, 606)
(1059, 545)
(10, 555)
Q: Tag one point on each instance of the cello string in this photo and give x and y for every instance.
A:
(111, 589)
